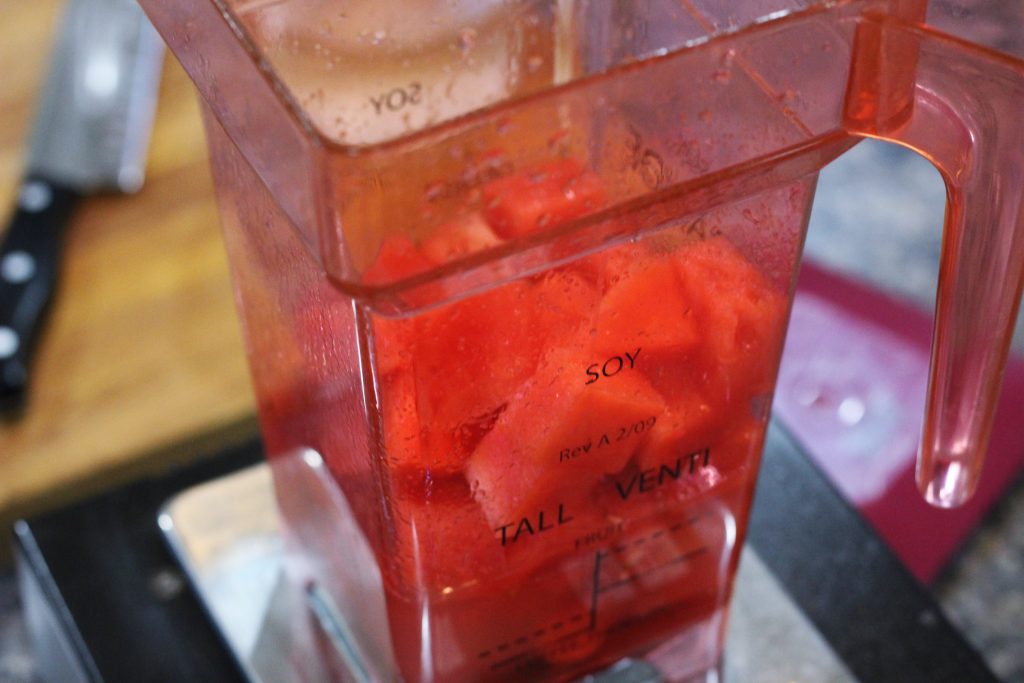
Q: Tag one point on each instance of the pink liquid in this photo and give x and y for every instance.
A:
(568, 505)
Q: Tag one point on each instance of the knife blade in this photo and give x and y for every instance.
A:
(90, 135)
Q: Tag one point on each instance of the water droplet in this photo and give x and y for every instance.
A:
(851, 411)
(534, 63)
(722, 75)
(728, 57)
(379, 36)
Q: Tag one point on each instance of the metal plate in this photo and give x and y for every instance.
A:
(226, 533)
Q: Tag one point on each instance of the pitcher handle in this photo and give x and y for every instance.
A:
(964, 112)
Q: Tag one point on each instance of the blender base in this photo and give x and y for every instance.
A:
(227, 535)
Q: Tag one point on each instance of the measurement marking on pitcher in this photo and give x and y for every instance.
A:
(630, 578)
(513, 659)
(595, 589)
(567, 629)
(539, 633)
(678, 526)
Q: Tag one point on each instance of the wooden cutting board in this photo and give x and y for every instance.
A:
(142, 358)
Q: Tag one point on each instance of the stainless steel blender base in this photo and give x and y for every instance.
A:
(226, 534)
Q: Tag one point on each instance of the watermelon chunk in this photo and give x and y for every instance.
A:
(740, 315)
(469, 359)
(397, 259)
(566, 304)
(556, 439)
(687, 427)
(458, 238)
(541, 197)
(392, 344)
(645, 307)
(445, 545)
(457, 368)
(400, 420)
(739, 445)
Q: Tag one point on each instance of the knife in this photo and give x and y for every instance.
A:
(91, 135)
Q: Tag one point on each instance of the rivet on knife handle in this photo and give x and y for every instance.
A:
(29, 258)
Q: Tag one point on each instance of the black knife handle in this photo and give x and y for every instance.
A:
(29, 262)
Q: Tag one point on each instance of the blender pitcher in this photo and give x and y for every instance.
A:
(515, 277)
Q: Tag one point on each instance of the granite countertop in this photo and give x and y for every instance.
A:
(983, 592)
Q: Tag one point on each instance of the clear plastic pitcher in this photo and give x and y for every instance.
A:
(515, 278)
